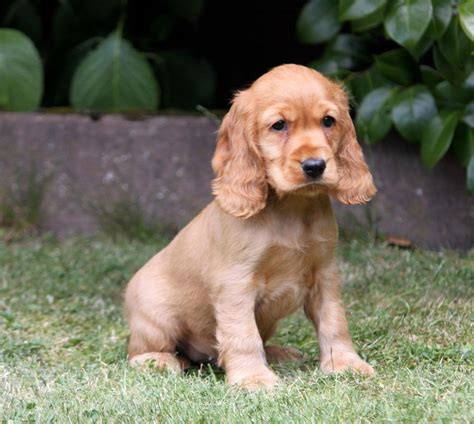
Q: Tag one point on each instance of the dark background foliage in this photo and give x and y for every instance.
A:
(407, 64)
(223, 45)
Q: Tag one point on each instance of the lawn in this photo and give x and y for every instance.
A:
(63, 343)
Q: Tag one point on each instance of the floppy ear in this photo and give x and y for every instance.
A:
(355, 184)
(240, 185)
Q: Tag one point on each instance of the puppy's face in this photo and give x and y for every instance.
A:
(290, 130)
(301, 122)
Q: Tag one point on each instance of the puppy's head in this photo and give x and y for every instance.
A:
(290, 130)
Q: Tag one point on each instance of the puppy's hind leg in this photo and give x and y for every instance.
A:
(283, 354)
(275, 354)
(154, 345)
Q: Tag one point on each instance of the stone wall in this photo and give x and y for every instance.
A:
(163, 164)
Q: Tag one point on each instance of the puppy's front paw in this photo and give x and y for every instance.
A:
(345, 361)
(253, 380)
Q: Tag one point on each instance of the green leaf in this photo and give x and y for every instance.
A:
(370, 21)
(318, 21)
(407, 20)
(454, 45)
(468, 115)
(451, 96)
(430, 76)
(437, 137)
(470, 175)
(353, 51)
(466, 17)
(114, 77)
(412, 111)
(373, 118)
(463, 143)
(397, 65)
(442, 12)
(356, 9)
(423, 45)
(363, 83)
(21, 72)
(346, 51)
(188, 81)
(469, 81)
(450, 71)
(327, 65)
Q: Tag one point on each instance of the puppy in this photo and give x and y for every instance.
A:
(265, 246)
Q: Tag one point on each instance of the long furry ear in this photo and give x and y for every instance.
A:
(240, 185)
(355, 184)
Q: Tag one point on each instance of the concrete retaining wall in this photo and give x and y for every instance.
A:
(164, 164)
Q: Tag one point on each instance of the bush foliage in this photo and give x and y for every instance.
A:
(100, 55)
(407, 63)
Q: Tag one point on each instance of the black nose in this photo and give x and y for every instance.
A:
(313, 168)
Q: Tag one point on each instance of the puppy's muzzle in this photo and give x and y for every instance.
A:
(313, 168)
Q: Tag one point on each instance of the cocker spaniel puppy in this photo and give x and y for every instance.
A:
(265, 246)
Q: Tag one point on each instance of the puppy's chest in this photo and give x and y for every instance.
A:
(294, 253)
(285, 275)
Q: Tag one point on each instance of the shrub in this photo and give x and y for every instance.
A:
(100, 55)
(407, 63)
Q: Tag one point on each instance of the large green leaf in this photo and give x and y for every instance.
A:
(453, 97)
(469, 81)
(407, 20)
(327, 65)
(370, 21)
(346, 51)
(468, 115)
(437, 137)
(21, 72)
(463, 143)
(423, 45)
(373, 118)
(430, 76)
(362, 83)
(114, 77)
(397, 65)
(466, 16)
(412, 111)
(318, 21)
(442, 12)
(450, 71)
(470, 175)
(454, 44)
(356, 9)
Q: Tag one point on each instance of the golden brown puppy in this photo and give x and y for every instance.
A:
(265, 246)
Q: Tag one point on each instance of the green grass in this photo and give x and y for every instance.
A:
(63, 343)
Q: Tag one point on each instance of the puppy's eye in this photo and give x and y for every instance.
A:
(279, 125)
(328, 121)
